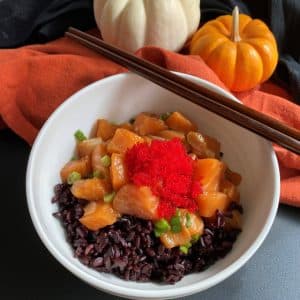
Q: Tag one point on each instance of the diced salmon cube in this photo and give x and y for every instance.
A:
(86, 147)
(179, 122)
(90, 189)
(81, 166)
(98, 215)
(171, 239)
(210, 173)
(234, 177)
(127, 126)
(171, 134)
(203, 146)
(195, 227)
(118, 172)
(136, 201)
(97, 154)
(145, 124)
(235, 222)
(228, 188)
(105, 129)
(209, 203)
(123, 140)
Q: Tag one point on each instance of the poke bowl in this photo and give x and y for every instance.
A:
(107, 190)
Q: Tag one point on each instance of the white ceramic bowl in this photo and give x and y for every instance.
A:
(118, 98)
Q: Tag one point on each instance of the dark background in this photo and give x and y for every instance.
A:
(28, 271)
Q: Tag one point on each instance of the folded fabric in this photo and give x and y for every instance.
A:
(36, 79)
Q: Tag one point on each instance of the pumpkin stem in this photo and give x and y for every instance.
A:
(235, 31)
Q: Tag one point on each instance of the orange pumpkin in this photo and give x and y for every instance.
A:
(240, 50)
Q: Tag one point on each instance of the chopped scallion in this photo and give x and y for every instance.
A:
(185, 248)
(175, 223)
(79, 135)
(109, 197)
(106, 161)
(161, 226)
(165, 116)
(98, 174)
(188, 223)
(73, 176)
(195, 238)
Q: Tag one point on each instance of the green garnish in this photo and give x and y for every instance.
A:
(160, 227)
(79, 135)
(73, 176)
(175, 223)
(195, 238)
(98, 174)
(109, 197)
(165, 116)
(106, 161)
(74, 158)
(188, 223)
(185, 248)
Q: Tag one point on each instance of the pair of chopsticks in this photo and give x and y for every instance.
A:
(244, 116)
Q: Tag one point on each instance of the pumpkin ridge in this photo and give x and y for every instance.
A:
(247, 77)
(267, 70)
(227, 80)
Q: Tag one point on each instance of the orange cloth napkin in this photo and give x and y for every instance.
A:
(34, 80)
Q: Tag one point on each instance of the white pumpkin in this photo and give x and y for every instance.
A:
(132, 24)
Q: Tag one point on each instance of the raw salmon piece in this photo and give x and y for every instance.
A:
(98, 215)
(122, 140)
(203, 146)
(136, 201)
(118, 172)
(171, 134)
(97, 154)
(86, 147)
(228, 188)
(171, 239)
(145, 124)
(209, 203)
(81, 166)
(105, 129)
(195, 227)
(210, 173)
(234, 177)
(127, 126)
(178, 122)
(90, 189)
(235, 222)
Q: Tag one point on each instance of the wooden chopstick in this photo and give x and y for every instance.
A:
(244, 116)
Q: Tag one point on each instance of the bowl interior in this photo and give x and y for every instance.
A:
(118, 98)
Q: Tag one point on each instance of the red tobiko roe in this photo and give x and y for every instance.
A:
(167, 169)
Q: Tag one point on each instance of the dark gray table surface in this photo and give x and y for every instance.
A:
(28, 271)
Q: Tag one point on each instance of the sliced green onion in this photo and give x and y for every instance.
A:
(109, 197)
(79, 135)
(73, 176)
(195, 238)
(185, 248)
(188, 222)
(157, 233)
(98, 174)
(162, 226)
(165, 116)
(74, 158)
(175, 223)
(106, 161)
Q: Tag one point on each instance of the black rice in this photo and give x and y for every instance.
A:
(130, 250)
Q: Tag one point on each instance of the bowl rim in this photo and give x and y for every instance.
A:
(132, 292)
